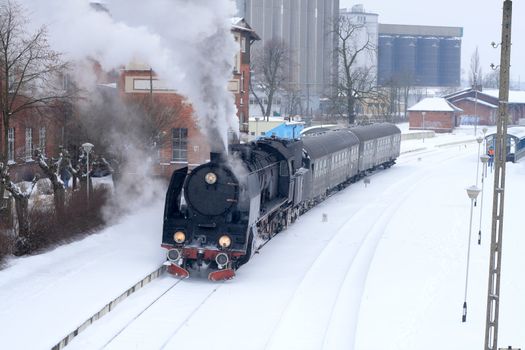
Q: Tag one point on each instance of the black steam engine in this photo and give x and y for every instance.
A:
(218, 215)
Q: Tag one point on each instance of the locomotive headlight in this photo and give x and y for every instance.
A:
(221, 259)
(179, 237)
(225, 241)
(210, 178)
(173, 255)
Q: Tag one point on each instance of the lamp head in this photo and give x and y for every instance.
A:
(87, 147)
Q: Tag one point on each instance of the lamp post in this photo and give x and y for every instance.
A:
(484, 159)
(87, 147)
(472, 193)
(479, 140)
(256, 127)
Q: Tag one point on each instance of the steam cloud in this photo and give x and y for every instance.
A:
(187, 43)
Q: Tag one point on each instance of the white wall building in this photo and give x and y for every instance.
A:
(369, 31)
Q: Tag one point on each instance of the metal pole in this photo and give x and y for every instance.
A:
(479, 140)
(493, 293)
(484, 160)
(87, 147)
(87, 169)
(464, 317)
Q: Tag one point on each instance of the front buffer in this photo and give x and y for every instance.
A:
(179, 259)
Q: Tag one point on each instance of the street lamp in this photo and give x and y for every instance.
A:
(257, 127)
(87, 147)
(484, 159)
(472, 193)
(479, 140)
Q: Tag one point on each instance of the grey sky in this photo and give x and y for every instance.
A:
(480, 19)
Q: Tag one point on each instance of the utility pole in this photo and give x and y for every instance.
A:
(493, 295)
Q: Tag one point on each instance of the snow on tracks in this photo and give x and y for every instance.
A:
(109, 307)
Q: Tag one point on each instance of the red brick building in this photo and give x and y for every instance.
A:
(40, 127)
(181, 143)
(240, 84)
(478, 107)
(433, 113)
(481, 106)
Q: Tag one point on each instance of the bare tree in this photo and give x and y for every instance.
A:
(292, 96)
(21, 199)
(356, 83)
(270, 65)
(51, 170)
(30, 70)
(491, 79)
(30, 73)
(476, 76)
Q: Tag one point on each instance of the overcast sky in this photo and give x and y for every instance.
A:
(480, 19)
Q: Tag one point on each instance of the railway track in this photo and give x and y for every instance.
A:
(344, 284)
(173, 312)
(174, 321)
(177, 301)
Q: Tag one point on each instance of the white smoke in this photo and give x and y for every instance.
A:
(188, 43)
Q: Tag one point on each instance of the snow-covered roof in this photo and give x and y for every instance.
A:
(515, 96)
(517, 131)
(434, 104)
(480, 102)
(270, 119)
(109, 85)
(240, 23)
(320, 128)
(459, 92)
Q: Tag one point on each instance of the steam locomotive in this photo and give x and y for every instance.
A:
(217, 216)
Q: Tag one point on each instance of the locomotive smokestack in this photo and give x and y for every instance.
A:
(216, 157)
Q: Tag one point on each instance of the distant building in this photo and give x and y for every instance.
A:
(40, 127)
(419, 55)
(369, 31)
(481, 107)
(239, 85)
(433, 113)
(181, 142)
(306, 27)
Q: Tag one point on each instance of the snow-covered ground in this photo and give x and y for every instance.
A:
(385, 271)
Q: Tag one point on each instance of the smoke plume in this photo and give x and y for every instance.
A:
(187, 43)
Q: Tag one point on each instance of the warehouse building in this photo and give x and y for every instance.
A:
(419, 55)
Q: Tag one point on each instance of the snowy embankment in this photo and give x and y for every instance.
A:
(44, 297)
(385, 271)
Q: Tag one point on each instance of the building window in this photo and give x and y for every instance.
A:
(42, 139)
(29, 143)
(180, 144)
(11, 144)
(243, 45)
(66, 82)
